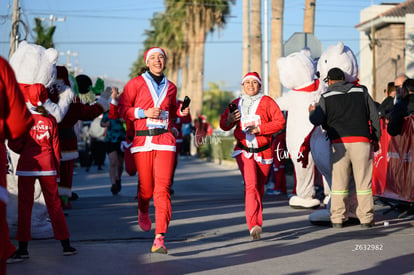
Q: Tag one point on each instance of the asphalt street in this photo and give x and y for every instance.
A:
(208, 233)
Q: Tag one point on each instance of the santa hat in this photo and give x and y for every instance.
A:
(252, 75)
(37, 94)
(152, 51)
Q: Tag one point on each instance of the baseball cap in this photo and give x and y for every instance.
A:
(335, 74)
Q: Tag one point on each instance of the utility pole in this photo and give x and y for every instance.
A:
(309, 17)
(69, 65)
(374, 71)
(266, 50)
(256, 53)
(276, 50)
(246, 36)
(14, 28)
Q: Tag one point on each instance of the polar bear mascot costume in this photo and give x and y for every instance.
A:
(342, 57)
(297, 73)
(35, 64)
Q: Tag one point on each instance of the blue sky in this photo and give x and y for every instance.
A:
(108, 35)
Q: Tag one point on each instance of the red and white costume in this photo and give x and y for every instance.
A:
(154, 155)
(15, 121)
(39, 159)
(34, 64)
(177, 124)
(253, 166)
(68, 139)
(297, 73)
(130, 167)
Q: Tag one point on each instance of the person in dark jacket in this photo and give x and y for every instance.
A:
(404, 107)
(350, 116)
(386, 105)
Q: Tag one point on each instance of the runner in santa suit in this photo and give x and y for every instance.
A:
(177, 124)
(149, 100)
(257, 117)
(68, 138)
(15, 121)
(130, 167)
(39, 159)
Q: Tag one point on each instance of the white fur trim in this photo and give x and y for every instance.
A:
(152, 51)
(114, 102)
(152, 147)
(60, 109)
(251, 76)
(155, 98)
(35, 173)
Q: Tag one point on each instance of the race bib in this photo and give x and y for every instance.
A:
(160, 122)
(250, 120)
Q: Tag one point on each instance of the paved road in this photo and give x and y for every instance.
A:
(208, 233)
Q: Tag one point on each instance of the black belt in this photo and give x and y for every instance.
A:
(151, 132)
(253, 150)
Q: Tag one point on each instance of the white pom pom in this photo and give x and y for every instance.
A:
(39, 103)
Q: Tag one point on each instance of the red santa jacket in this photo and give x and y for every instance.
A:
(39, 149)
(139, 93)
(271, 121)
(15, 118)
(67, 137)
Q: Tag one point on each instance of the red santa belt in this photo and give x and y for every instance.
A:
(151, 132)
(253, 150)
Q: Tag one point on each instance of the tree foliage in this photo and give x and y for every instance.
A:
(215, 101)
(44, 36)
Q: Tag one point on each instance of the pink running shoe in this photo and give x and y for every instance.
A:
(158, 246)
(144, 221)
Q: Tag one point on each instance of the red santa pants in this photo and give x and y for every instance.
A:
(130, 167)
(25, 204)
(6, 247)
(66, 177)
(155, 169)
(255, 177)
(279, 162)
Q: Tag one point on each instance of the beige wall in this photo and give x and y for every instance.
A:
(390, 56)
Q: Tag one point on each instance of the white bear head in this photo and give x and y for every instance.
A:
(34, 64)
(296, 70)
(339, 56)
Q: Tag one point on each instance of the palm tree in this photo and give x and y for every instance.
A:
(165, 33)
(256, 56)
(44, 35)
(203, 16)
(182, 31)
(276, 51)
(246, 37)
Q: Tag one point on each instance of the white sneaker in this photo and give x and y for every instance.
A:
(255, 232)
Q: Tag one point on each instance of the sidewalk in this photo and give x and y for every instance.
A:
(208, 233)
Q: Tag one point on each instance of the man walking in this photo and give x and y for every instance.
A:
(350, 116)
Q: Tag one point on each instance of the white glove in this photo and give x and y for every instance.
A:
(107, 93)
